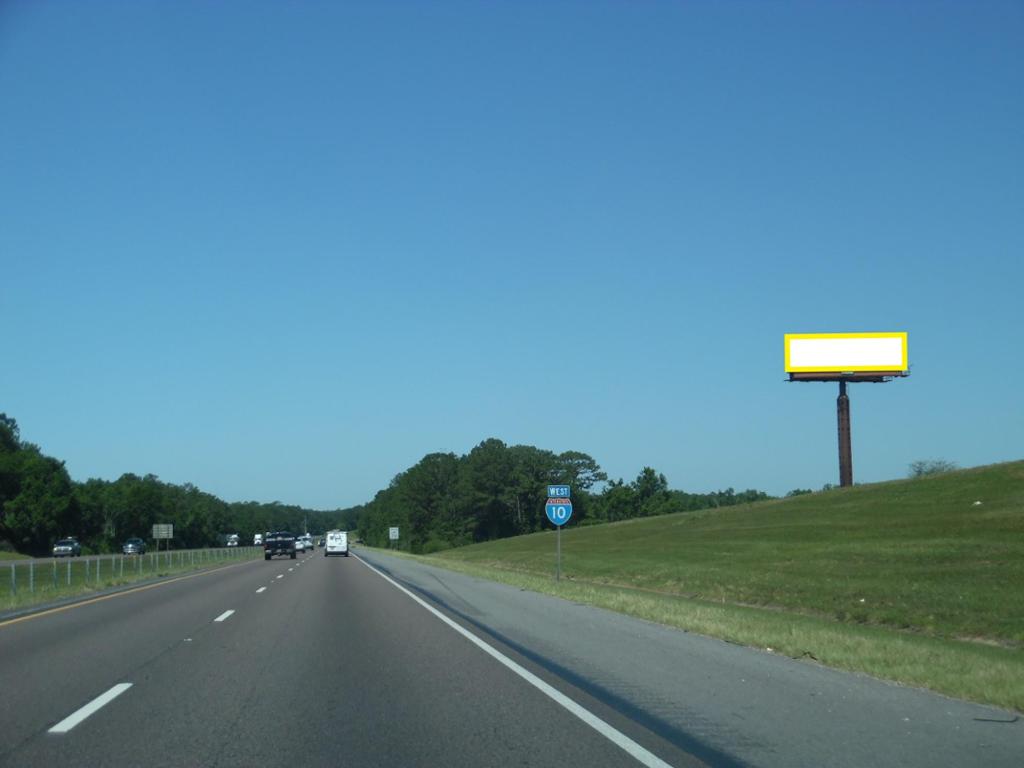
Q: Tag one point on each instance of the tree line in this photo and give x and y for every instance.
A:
(40, 503)
(443, 501)
(497, 490)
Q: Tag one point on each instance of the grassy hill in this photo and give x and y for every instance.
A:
(913, 580)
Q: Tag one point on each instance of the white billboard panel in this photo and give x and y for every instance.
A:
(845, 352)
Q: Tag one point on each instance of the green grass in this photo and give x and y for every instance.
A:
(29, 583)
(6, 554)
(907, 580)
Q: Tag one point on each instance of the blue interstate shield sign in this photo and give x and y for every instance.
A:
(558, 511)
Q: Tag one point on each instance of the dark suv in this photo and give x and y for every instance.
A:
(134, 546)
(67, 548)
(279, 543)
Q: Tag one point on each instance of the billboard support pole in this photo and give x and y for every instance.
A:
(845, 450)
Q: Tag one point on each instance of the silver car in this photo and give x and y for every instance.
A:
(134, 546)
(67, 548)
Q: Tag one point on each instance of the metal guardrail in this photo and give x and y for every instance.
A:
(31, 581)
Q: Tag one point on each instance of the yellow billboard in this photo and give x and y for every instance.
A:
(846, 352)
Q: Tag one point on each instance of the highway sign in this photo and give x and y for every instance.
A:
(393, 534)
(163, 531)
(558, 492)
(558, 511)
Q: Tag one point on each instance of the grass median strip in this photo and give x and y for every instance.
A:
(989, 674)
(31, 583)
(917, 581)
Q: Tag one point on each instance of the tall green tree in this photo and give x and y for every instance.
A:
(532, 470)
(10, 461)
(427, 491)
(651, 492)
(619, 501)
(44, 508)
(483, 484)
(579, 470)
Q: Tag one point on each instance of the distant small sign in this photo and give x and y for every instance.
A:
(393, 534)
(558, 492)
(163, 531)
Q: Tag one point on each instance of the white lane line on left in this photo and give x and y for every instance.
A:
(224, 615)
(93, 706)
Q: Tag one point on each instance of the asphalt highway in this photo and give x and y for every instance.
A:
(376, 661)
(321, 661)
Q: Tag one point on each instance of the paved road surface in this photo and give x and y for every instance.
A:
(323, 661)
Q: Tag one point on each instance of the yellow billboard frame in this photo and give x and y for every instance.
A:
(902, 335)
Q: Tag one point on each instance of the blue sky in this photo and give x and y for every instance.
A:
(283, 250)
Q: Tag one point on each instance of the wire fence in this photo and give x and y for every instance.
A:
(29, 582)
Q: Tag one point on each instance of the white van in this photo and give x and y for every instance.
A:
(337, 543)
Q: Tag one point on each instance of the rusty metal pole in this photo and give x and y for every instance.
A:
(845, 451)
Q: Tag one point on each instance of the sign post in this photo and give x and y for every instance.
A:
(558, 509)
(162, 532)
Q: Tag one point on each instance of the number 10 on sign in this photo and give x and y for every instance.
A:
(559, 511)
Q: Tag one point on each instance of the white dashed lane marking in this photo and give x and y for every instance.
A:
(93, 706)
(261, 589)
(224, 616)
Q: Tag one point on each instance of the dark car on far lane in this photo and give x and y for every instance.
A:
(134, 546)
(279, 543)
(67, 548)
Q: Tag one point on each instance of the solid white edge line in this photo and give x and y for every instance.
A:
(224, 615)
(261, 589)
(99, 702)
(637, 752)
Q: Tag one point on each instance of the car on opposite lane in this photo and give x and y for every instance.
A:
(134, 546)
(67, 548)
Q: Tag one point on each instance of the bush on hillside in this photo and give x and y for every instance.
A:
(925, 467)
